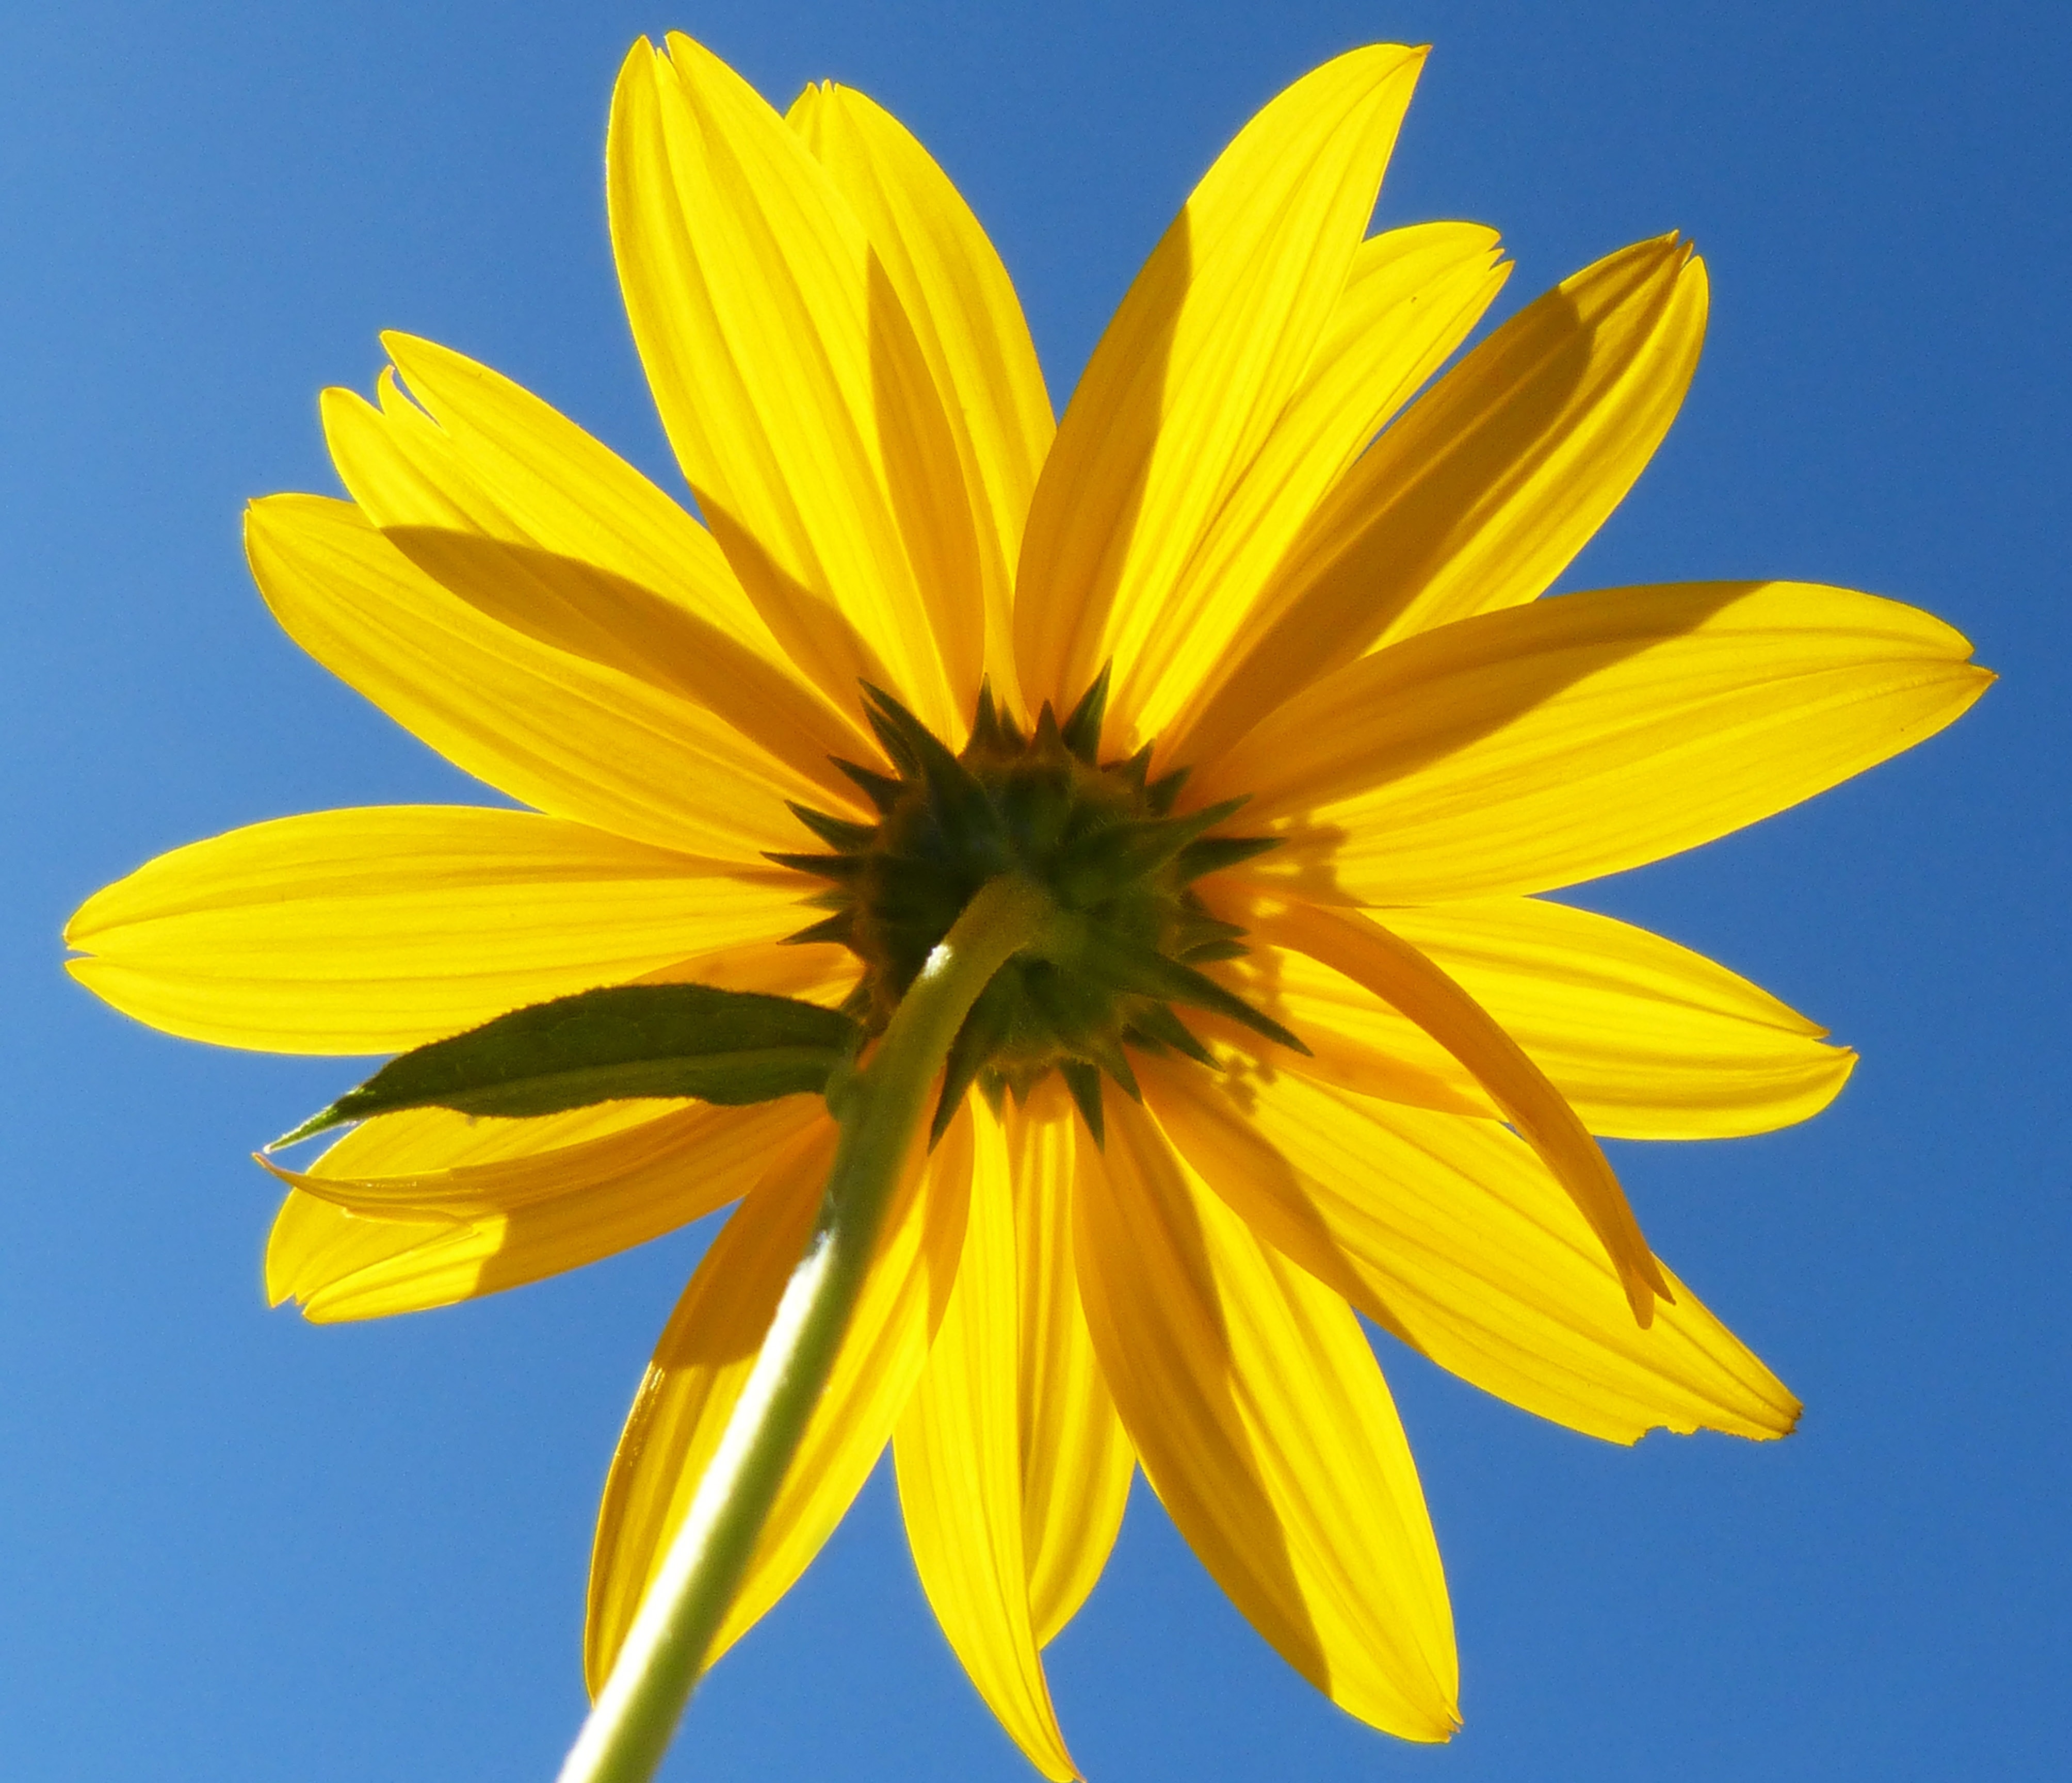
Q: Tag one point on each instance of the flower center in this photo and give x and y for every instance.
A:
(1099, 837)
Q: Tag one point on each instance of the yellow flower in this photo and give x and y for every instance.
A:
(1341, 628)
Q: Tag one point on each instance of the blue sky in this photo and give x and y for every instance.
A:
(235, 1546)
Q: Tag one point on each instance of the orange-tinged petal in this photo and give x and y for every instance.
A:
(1076, 1462)
(969, 325)
(1451, 1233)
(958, 1453)
(573, 737)
(1395, 971)
(703, 1361)
(1477, 498)
(788, 379)
(1644, 1039)
(593, 559)
(1264, 1423)
(496, 1224)
(1522, 750)
(1413, 296)
(1199, 363)
(370, 930)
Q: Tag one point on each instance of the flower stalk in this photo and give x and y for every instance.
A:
(880, 1111)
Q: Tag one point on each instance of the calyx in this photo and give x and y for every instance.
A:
(1130, 934)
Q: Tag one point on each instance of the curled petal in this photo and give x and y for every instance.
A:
(353, 1242)
(1452, 1234)
(1396, 972)
(1644, 1039)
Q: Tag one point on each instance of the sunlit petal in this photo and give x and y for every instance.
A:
(789, 380)
(958, 1451)
(1076, 1462)
(1199, 364)
(576, 738)
(969, 325)
(353, 1253)
(518, 511)
(1487, 487)
(1522, 750)
(1644, 1039)
(1452, 1234)
(1411, 297)
(1261, 1417)
(1370, 955)
(703, 1360)
(370, 930)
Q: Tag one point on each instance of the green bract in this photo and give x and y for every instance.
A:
(1100, 838)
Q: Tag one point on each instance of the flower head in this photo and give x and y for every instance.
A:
(1246, 664)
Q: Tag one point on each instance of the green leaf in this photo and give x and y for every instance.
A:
(625, 1039)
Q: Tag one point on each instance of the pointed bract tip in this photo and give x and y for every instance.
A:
(1081, 732)
(321, 1122)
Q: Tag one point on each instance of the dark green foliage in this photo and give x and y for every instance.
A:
(625, 1039)
(1083, 1081)
(1101, 840)
(1081, 731)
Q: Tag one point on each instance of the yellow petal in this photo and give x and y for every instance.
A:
(371, 930)
(1370, 956)
(1197, 365)
(536, 477)
(1412, 296)
(632, 1156)
(573, 737)
(969, 325)
(1522, 750)
(427, 1141)
(1076, 1462)
(1264, 1425)
(788, 379)
(958, 1453)
(490, 1226)
(704, 1358)
(1457, 1238)
(1481, 494)
(524, 516)
(1355, 1040)
(1644, 1039)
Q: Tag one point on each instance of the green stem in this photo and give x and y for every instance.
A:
(880, 1112)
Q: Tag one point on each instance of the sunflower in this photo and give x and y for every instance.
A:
(1245, 662)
